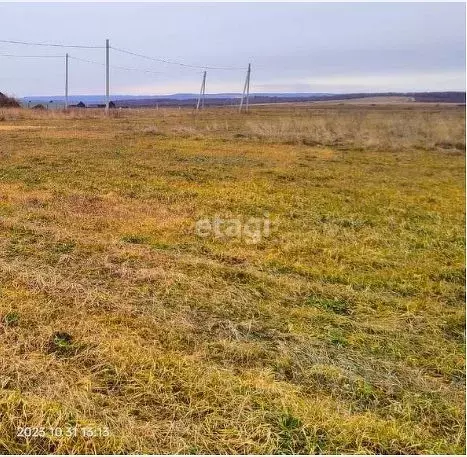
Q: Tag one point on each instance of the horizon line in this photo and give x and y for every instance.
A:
(254, 93)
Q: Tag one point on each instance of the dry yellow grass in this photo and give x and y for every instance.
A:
(341, 332)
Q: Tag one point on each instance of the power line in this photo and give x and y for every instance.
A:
(118, 67)
(124, 51)
(55, 45)
(173, 62)
(31, 56)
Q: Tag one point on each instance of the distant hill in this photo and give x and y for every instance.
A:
(225, 99)
(233, 99)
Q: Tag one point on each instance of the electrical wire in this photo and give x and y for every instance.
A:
(31, 56)
(173, 62)
(55, 45)
(118, 67)
(124, 51)
(114, 66)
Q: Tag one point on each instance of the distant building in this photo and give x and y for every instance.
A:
(101, 105)
(78, 105)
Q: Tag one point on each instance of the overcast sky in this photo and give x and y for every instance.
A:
(293, 47)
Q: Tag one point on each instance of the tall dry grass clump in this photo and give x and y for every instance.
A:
(381, 130)
(17, 114)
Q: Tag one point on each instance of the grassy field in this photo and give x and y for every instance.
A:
(324, 315)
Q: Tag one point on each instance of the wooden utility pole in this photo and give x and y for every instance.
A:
(248, 87)
(246, 90)
(202, 93)
(66, 81)
(107, 76)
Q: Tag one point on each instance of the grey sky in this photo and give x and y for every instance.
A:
(293, 47)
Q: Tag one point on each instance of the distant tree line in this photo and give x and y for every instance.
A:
(432, 97)
(6, 101)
